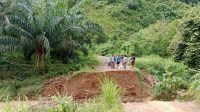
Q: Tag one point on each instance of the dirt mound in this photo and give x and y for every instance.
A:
(87, 85)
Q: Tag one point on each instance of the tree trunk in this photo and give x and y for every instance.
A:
(40, 65)
(64, 55)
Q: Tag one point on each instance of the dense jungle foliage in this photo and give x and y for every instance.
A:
(40, 39)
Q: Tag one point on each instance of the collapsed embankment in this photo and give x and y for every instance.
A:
(87, 85)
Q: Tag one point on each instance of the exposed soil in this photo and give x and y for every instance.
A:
(87, 85)
(134, 88)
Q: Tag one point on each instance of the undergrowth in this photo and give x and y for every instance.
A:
(194, 89)
(108, 101)
(18, 77)
(172, 76)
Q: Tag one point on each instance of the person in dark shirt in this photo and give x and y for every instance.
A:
(133, 60)
(118, 59)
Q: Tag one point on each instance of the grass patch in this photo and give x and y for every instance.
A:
(110, 97)
(108, 101)
(18, 77)
(11, 89)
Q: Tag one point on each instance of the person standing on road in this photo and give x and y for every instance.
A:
(133, 60)
(113, 61)
(110, 62)
(125, 61)
(118, 59)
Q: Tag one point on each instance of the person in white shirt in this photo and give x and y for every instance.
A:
(113, 62)
(125, 60)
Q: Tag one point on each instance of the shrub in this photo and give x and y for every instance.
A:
(167, 88)
(172, 76)
(112, 1)
(153, 64)
(133, 4)
(194, 89)
(153, 40)
(190, 1)
(166, 11)
(158, 66)
(188, 48)
(65, 104)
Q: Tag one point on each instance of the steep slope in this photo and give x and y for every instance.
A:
(120, 20)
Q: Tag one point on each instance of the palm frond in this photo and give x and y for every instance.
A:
(52, 23)
(4, 40)
(17, 31)
(10, 48)
(75, 9)
(26, 9)
(20, 21)
(38, 23)
(25, 41)
(43, 41)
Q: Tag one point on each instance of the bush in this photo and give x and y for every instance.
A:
(153, 64)
(134, 4)
(65, 104)
(188, 48)
(112, 1)
(190, 1)
(194, 89)
(158, 66)
(166, 11)
(172, 76)
(167, 88)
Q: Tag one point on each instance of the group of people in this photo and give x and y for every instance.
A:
(120, 59)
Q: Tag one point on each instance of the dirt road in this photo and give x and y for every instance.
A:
(161, 106)
(151, 106)
(104, 65)
(148, 106)
(16, 105)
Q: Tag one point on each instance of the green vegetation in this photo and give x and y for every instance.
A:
(19, 78)
(41, 39)
(109, 101)
(110, 96)
(188, 46)
(172, 76)
(195, 88)
(163, 34)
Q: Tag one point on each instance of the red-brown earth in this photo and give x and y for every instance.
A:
(87, 85)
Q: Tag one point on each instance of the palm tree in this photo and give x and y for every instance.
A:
(23, 28)
(72, 33)
(8, 43)
(34, 26)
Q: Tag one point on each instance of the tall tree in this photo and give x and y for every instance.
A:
(35, 25)
(188, 49)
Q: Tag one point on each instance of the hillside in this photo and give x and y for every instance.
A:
(100, 55)
(123, 18)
